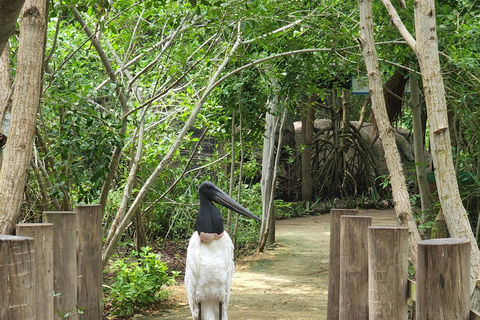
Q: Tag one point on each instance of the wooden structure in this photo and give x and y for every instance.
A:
(89, 260)
(17, 278)
(443, 274)
(64, 259)
(53, 269)
(353, 303)
(43, 235)
(387, 273)
(334, 263)
(443, 279)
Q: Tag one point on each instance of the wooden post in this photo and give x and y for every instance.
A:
(89, 260)
(387, 273)
(17, 278)
(43, 235)
(354, 267)
(64, 260)
(443, 279)
(334, 263)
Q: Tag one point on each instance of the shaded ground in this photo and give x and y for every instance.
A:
(288, 281)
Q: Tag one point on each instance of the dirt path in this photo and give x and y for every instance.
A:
(289, 281)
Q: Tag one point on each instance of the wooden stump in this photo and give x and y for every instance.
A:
(17, 278)
(64, 260)
(43, 235)
(443, 279)
(334, 262)
(354, 267)
(89, 260)
(388, 273)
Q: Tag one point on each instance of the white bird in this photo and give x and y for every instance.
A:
(209, 266)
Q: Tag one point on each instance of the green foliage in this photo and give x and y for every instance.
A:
(138, 283)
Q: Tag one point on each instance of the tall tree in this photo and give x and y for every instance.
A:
(426, 49)
(401, 198)
(24, 112)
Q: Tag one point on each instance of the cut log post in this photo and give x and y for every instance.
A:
(64, 260)
(354, 267)
(334, 263)
(443, 279)
(388, 273)
(43, 235)
(89, 260)
(17, 278)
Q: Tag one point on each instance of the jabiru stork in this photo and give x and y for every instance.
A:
(209, 265)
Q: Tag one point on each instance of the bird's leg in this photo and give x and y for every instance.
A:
(199, 311)
(220, 311)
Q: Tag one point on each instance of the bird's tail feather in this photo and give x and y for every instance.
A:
(210, 311)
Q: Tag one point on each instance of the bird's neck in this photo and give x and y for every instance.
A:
(209, 218)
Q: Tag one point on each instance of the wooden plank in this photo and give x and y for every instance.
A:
(387, 273)
(354, 267)
(89, 260)
(43, 235)
(334, 263)
(64, 259)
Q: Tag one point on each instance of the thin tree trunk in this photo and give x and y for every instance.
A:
(267, 171)
(232, 171)
(123, 104)
(5, 89)
(307, 135)
(387, 133)
(131, 180)
(240, 173)
(26, 99)
(419, 147)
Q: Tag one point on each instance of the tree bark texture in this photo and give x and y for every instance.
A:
(268, 164)
(307, 134)
(419, 147)
(26, 99)
(434, 91)
(400, 194)
(9, 11)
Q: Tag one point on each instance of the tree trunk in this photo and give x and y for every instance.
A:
(266, 183)
(5, 88)
(24, 111)
(400, 194)
(419, 147)
(9, 10)
(307, 135)
(434, 91)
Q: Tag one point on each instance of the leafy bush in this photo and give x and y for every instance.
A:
(138, 283)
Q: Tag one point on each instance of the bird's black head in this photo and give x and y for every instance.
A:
(209, 218)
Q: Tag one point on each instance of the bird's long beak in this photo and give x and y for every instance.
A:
(222, 198)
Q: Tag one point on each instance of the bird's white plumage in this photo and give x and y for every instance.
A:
(208, 275)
